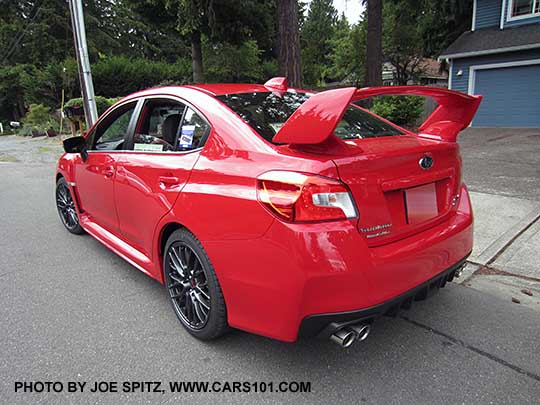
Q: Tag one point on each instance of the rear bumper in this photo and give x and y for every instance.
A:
(274, 283)
(324, 325)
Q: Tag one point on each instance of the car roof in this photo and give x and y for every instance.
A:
(211, 90)
(220, 89)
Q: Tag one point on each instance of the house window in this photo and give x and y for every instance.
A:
(524, 8)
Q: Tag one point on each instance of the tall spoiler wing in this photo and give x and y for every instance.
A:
(316, 119)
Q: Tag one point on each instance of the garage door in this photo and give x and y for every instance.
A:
(511, 97)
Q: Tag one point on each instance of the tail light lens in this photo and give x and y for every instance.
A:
(299, 197)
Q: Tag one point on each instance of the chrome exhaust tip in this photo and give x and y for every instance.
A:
(344, 337)
(459, 271)
(362, 331)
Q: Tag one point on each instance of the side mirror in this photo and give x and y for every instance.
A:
(76, 144)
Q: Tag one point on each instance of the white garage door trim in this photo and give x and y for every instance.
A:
(473, 69)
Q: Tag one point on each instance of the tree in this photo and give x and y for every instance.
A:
(414, 30)
(225, 62)
(348, 53)
(403, 45)
(317, 33)
(151, 30)
(200, 19)
(443, 21)
(289, 61)
(374, 43)
(194, 16)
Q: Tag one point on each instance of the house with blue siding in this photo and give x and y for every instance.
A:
(499, 58)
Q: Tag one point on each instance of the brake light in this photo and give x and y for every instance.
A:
(299, 197)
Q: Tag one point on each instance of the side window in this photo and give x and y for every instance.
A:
(110, 133)
(158, 127)
(194, 131)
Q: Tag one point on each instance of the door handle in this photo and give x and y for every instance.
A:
(169, 180)
(108, 171)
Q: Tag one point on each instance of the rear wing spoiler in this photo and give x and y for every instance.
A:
(315, 120)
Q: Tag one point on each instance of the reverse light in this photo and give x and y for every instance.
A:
(299, 197)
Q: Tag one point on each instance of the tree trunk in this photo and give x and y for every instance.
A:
(19, 110)
(374, 43)
(289, 42)
(196, 56)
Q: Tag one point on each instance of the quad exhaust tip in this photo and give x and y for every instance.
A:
(346, 336)
(362, 331)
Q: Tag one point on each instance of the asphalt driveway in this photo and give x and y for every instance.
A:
(502, 161)
(71, 310)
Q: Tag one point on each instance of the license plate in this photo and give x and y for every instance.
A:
(421, 203)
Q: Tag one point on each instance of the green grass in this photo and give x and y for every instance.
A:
(45, 149)
(7, 158)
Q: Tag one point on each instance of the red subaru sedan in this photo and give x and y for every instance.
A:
(275, 210)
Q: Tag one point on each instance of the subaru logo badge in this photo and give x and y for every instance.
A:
(426, 162)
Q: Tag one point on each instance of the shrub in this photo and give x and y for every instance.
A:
(102, 103)
(38, 120)
(401, 110)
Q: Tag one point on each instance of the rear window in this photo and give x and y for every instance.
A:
(267, 112)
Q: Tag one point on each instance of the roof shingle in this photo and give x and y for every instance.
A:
(493, 40)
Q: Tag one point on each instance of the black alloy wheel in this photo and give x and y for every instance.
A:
(193, 287)
(66, 208)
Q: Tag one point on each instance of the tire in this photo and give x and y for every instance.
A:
(193, 287)
(66, 207)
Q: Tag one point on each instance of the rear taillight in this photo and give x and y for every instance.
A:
(299, 197)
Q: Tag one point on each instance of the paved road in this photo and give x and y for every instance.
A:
(502, 161)
(70, 310)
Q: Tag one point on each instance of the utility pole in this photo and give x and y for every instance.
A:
(85, 74)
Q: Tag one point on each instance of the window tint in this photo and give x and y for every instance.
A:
(264, 112)
(111, 132)
(157, 130)
(267, 112)
(359, 124)
(193, 132)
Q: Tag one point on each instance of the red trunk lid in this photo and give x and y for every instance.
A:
(397, 197)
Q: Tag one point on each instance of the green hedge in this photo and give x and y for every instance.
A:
(120, 76)
(113, 76)
(401, 110)
(102, 103)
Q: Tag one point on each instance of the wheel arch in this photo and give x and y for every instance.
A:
(164, 231)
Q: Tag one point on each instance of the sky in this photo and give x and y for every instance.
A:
(352, 9)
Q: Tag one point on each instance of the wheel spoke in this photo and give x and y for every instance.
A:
(198, 312)
(61, 203)
(189, 309)
(180, 294)
(202, 300)
(175, 261)
(73, 217)
(188, 286)
(185, 255)
(202, 292)
(65, 195)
